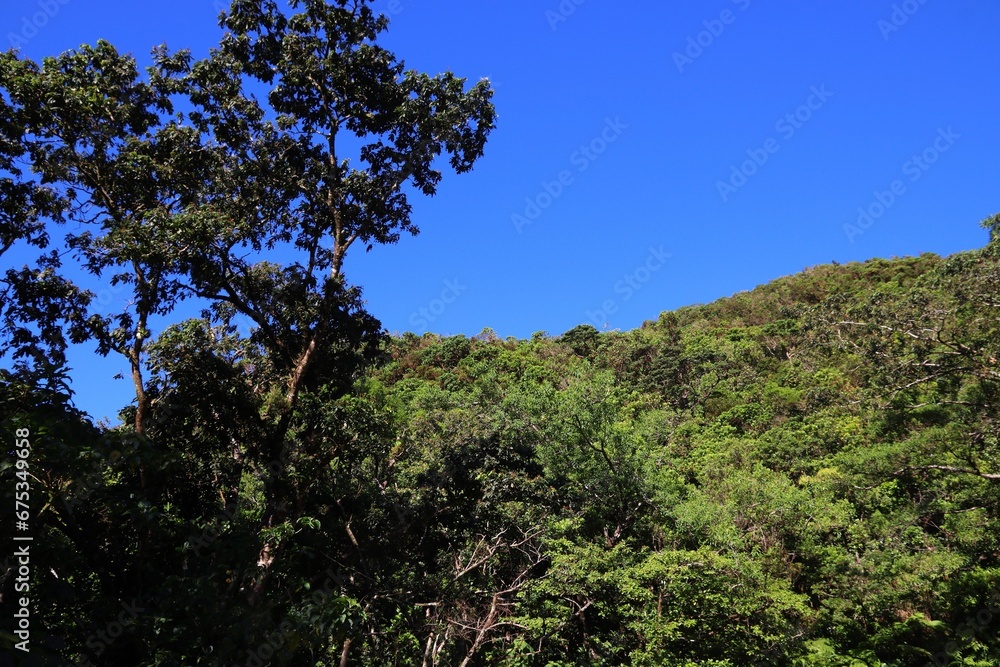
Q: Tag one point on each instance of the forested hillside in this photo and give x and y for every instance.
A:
(803, 474)
(800, 474)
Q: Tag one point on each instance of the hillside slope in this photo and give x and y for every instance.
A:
(805, 473)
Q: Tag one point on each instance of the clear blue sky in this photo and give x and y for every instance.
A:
(643, 111)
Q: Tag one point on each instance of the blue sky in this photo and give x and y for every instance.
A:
(648, 155)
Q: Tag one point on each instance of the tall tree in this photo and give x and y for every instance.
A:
(287, 180)
(288, 177)
(33, 300)
(106, 151)
(184, 184)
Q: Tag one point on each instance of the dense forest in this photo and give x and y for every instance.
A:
(806, 474)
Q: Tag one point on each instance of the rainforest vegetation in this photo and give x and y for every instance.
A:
(805, 474)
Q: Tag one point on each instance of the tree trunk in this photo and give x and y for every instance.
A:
(344, 653)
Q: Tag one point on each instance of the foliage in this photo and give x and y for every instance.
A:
(805, 474)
